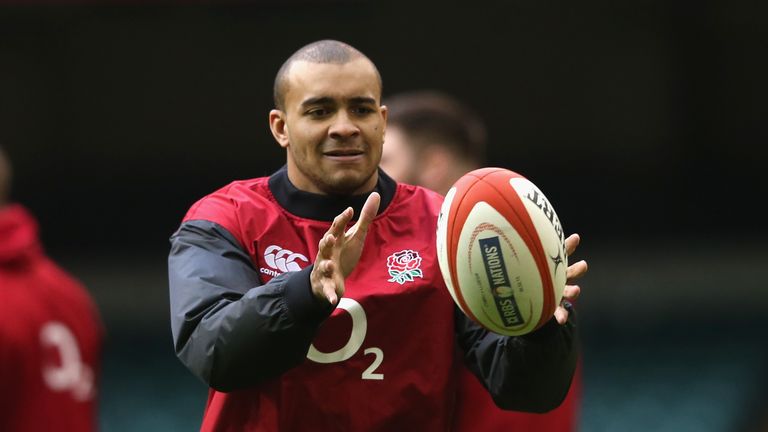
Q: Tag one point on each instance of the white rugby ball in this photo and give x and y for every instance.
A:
(501, 251)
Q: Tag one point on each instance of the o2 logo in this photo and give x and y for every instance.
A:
(355, 341)
(70, 374)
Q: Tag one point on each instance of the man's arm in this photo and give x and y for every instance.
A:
(530, 373)
(233, 332)
(228, 329)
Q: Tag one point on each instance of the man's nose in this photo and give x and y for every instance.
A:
(343, 127)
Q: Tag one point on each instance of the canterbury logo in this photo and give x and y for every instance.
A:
(283, 259)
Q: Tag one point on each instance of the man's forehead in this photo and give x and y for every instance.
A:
(354, 79)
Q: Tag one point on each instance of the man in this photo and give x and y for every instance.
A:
(432, 140)
(50, 332)
(295, 320)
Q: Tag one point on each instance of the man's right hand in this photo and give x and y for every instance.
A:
(339, 251)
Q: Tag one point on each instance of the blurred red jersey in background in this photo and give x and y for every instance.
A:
(50, 336)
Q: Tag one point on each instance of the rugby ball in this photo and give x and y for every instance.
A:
(501, 251)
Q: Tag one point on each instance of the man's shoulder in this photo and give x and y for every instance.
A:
(239, 188)
(419, 193)
(232, 198)
(411, 198)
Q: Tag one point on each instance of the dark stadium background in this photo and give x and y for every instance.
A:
(643, 121)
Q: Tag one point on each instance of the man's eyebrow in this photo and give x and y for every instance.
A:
(362, 100)
(326, 100)
(320, 100)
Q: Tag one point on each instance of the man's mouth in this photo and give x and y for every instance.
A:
(344, 155)
(344, 152)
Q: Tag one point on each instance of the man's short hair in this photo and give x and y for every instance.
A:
(435, 118)
(323, 51)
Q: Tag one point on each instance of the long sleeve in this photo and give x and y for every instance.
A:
(228, 329)
(530, 373)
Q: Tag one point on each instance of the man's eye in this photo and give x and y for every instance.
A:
(362, 110)
(318, 112)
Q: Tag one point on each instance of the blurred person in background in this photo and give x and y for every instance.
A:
(299, 318)
(432, 140)
(50, 332)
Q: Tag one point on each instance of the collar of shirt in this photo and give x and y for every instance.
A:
(325, 207)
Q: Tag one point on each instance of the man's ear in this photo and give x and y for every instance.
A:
(384, 113)
(279, 127)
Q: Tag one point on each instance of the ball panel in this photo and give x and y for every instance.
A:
(457, 213)
(444, 224)
(493, 189)
(519, 216)
(549, 231)
(493, 281)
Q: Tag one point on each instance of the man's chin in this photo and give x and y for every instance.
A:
(350, 184)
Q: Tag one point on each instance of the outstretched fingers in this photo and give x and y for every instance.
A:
(576, 270)
(324, 283)
(571, 243)
(340, 222)
(367, 213)
(571, 292)
(370, 208)
(339, 250)
(561, 315)
(329, 290)
(325, 248)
